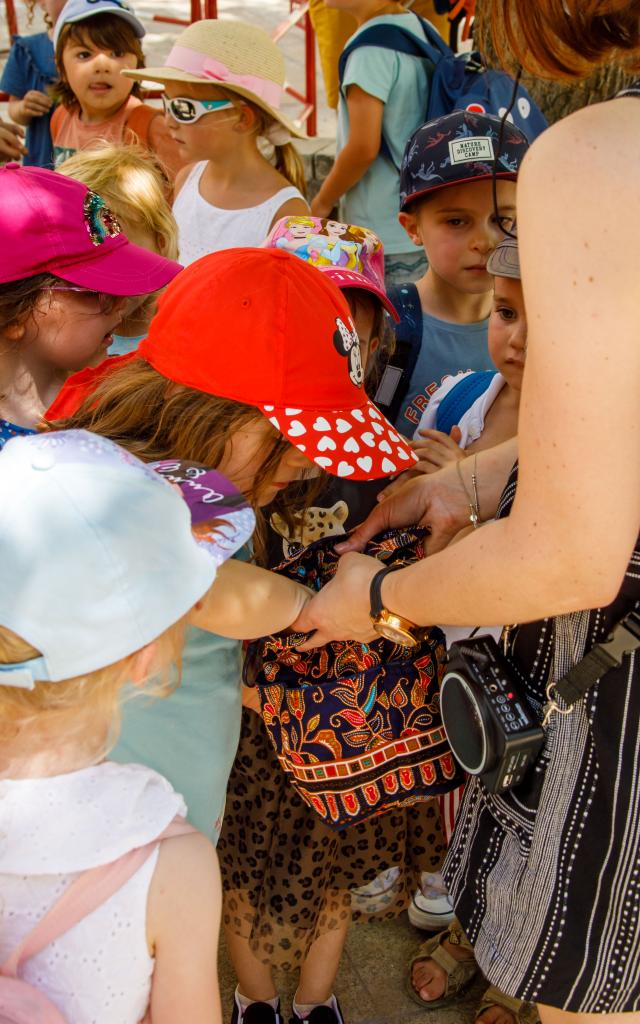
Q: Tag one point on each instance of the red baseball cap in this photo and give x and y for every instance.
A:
(261, 326)
(53, 224)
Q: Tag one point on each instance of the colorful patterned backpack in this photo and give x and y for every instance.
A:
(356, 727)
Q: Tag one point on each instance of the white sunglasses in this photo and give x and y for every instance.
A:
(187, 111)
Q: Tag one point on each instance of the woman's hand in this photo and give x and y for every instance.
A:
(340, 611)
(437, 502)
(435, 449)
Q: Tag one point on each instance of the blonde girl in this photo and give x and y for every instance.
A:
(72, 636)
(131, 181)
(224, 83)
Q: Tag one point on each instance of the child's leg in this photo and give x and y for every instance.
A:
(255, 978)
(318, 972)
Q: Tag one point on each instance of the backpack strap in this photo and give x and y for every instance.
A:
(93, 888)
(397, 374)
(461, 397)
(139, 122)
(401, 40)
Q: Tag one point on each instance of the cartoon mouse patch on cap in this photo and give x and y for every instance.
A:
(346, 342)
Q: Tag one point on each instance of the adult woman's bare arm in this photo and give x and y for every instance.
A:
(576, 516)
(439, 500)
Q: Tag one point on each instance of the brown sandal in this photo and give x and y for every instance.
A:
(459, 973)
(524, 1013)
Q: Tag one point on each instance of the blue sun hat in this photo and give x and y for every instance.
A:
(460, 147)
(80, 10)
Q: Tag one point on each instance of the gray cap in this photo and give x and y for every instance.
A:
(80, 10)
(504, 260)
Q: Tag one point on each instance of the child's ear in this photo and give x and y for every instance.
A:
(143, 663)
(409, 222)
(14, 331)
(373, 345)
(246, 118)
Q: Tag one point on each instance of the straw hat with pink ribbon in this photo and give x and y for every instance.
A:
(237, 56)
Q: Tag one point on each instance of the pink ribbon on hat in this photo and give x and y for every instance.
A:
(194, 63)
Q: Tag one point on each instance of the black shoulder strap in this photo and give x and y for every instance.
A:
(397, 374)
(623, 639)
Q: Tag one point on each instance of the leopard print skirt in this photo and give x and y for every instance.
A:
(287, 877)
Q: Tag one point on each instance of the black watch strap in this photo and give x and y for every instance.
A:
(375, 594)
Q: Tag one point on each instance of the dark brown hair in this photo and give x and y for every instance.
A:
(107, 31)
(566, 39)
(18, 299)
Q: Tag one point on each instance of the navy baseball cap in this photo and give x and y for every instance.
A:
(459, 147)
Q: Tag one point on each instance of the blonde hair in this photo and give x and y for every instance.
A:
(86, 708)
(286, 158)
(132, 183)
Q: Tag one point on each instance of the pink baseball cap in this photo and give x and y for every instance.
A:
(350, 255)
(54, 224)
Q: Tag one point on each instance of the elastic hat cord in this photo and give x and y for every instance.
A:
(494, 179)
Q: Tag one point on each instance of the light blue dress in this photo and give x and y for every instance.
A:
(191, 736)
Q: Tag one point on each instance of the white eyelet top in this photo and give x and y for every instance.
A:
(204, 228)
(52, 829)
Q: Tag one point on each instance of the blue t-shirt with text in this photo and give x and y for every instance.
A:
(447, 349)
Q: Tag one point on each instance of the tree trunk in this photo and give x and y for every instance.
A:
(555, 99)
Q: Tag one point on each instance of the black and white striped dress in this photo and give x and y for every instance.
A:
(546, 878)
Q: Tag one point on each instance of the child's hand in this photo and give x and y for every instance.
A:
(11, 142)
(436, 449)
(35, 104)
(251, 698)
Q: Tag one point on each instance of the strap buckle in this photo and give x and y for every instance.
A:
(623, 639)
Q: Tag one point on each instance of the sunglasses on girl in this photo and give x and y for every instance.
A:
(187, 111)
(105, 303)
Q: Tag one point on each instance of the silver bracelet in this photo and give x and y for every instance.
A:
(474, 504)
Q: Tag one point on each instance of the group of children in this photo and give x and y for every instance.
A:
(262, 361)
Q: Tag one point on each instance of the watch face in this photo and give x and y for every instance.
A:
(395, 634)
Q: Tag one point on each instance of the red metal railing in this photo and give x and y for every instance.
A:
(298, 17)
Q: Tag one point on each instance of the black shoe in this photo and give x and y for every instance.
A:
(256, 1013)
(321, 1015)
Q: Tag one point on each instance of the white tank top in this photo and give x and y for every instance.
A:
(204, 228)
(51, 829)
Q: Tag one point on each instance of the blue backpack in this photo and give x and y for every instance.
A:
(457, 81)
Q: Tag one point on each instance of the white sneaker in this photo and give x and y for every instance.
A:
(433, 912)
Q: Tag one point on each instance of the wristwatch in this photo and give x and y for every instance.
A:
(389, 625)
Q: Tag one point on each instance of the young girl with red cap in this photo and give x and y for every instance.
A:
(288, 878)
(224, 83)
(251, 366)
(66, 269)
